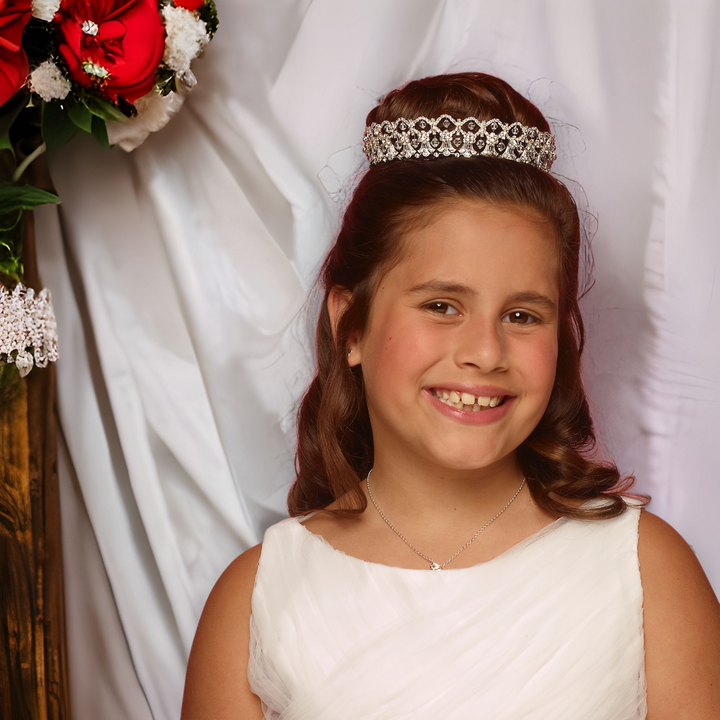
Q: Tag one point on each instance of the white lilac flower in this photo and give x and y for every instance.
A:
(153, 113)
(48, 82)
(186, 37)
(45, 9)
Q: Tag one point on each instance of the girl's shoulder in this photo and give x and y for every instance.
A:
(667, 561)
(216, 684)
(681, 619)
(234, 587)
(239, 577)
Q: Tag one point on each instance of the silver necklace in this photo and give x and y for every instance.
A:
(433, 564)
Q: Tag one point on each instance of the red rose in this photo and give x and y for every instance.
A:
(117, 45)
(189, 4)
(14, 15)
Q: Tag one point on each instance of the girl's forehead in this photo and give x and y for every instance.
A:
(476, 242)
(481, 220)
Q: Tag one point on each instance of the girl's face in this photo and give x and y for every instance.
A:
(460, 350)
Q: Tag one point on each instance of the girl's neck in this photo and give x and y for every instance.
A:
(423, 489)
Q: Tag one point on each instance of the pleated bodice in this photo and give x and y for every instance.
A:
(550, 629)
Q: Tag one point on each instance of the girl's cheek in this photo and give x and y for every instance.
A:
(543, 357)
(537, 355)
(397, 348)
(389, 334)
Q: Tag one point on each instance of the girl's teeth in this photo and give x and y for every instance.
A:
(466, 401)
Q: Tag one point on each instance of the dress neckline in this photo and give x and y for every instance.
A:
(547, 529)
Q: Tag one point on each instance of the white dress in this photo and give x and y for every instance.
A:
(549, 630)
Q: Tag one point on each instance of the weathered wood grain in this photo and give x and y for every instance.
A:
(33, 666)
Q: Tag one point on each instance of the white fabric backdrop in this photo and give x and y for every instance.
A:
(180, 277)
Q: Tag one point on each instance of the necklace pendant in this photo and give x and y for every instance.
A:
(433, 564)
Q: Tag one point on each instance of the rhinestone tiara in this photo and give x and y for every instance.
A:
(28, 332)
(460, 137)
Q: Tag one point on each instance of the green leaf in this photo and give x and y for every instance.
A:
(99, 130)
(12, 269)
(81, 116)
(165, 80)
(102, 108)
(14, 197)
(7, 245)
(57, 127)
(7, 164)
(12, 108)
(8, 114)
(8, 222)
(208, 13)
(10, 253)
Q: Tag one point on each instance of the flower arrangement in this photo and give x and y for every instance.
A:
(117, 69)
(88, 63)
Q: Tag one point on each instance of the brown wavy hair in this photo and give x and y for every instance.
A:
(335, 445)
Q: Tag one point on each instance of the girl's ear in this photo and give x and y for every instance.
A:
(337, 302)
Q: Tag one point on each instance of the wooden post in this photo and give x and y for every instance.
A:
(33, 664)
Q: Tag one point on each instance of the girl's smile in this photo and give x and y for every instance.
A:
(471, 405)
(460, 350)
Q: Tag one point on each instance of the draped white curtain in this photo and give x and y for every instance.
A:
(181, 278)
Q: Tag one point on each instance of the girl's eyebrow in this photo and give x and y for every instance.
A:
(442, 287)
(534, 299)
(451, 288)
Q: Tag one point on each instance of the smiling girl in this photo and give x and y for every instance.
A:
(455, 549)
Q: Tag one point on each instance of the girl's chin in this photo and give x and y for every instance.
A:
(457, 457)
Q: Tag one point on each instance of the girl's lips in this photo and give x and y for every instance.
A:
(468, 417)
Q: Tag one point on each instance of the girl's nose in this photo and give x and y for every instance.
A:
(482, 343)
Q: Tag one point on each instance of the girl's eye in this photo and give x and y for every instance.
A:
(442, 308)
(520, 317)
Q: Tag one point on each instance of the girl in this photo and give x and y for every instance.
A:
(454, 549)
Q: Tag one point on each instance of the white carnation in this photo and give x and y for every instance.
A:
(48, 82)
(186, 37)
(153, 113)
(45, 9)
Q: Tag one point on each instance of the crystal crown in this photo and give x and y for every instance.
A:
(447, 136)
